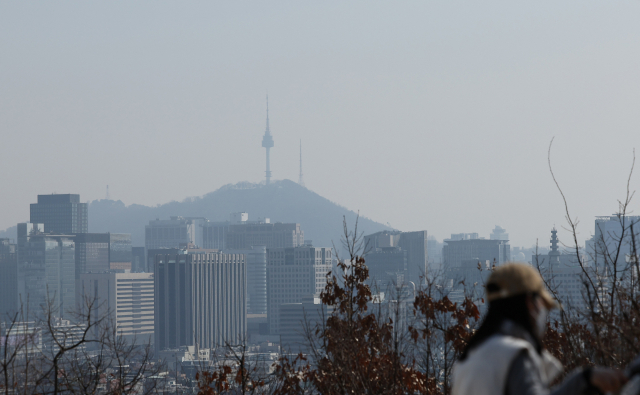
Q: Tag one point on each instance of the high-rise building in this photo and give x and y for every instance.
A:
(120, 253)
(415, 244)
(256, 258)
(138, 260)
(293, 319)
(386, 250)
(214, 235)
(613, 238)
(456, 251)
(562, 271)
(173, 232)
(292, 274)
(8, 279)
(46, 270)
(387, 267)
(128, 297)
(434, 253)
(100, 252)
(276, 235)
(200, 300)
(92, 253)
(61, 214)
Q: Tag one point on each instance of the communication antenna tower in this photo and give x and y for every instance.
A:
(300, 179)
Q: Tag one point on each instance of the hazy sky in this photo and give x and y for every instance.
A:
(431, 115)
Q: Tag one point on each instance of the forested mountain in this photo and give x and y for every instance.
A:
(281, 201)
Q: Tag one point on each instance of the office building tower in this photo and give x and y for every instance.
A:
(92, 253)
(293, 318)
(99, 252)
(415, 244)
(276, 235)
(127, 297)
(138, 260)
(173, 232)
(239, 233)
(256, 258)
(183, 249)
(200, 300)
(387, 267)
(46, 270)
(214, 235)
(8, 279)
(61, 214)
(434, 253)
(385, 251)
(120, 253)
(613, 238)
(456, 251)
(292, 274)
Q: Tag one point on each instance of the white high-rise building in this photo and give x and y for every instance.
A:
(128, 297)
(293, 274)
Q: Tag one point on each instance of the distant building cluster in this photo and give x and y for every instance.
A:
(199, 284)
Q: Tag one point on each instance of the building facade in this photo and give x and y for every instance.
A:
(200, 300)
(214, 235)
(455, 252)
(612, 238)
(120, 251)
(129, 297)
(294, 317)
(173, 232)
(563, 273)
(391, 245)
(61, 214)
(387, 267)
(256, 258)
(276, 235)
(92, 253)
(100, 252)
(46, 270)
(292, 274)
(138, 260)
(8, 279)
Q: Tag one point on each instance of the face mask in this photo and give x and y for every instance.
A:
(541, 321)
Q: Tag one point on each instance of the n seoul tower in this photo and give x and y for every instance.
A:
(267, 142)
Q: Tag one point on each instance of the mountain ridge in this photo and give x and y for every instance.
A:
(281, 201)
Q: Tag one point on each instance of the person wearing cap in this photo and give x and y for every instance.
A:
(505, 355)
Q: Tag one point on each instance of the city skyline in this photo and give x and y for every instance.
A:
(448, 114)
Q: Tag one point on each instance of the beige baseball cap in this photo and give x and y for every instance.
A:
(514, 279)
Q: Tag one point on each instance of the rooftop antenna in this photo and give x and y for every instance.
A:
(300, 179)
(108, 197)
(267, 142)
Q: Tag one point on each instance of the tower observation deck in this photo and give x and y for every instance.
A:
(267, 142)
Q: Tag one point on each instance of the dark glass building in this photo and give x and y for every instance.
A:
(99, 252)
(8, 279)
(46, 270)
(200, 299)
(138, 260)
(61, 214)
(120, 253)
(92, 253)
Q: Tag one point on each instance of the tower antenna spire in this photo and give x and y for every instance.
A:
(300, 179)
(108, 197)
(267, 142)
